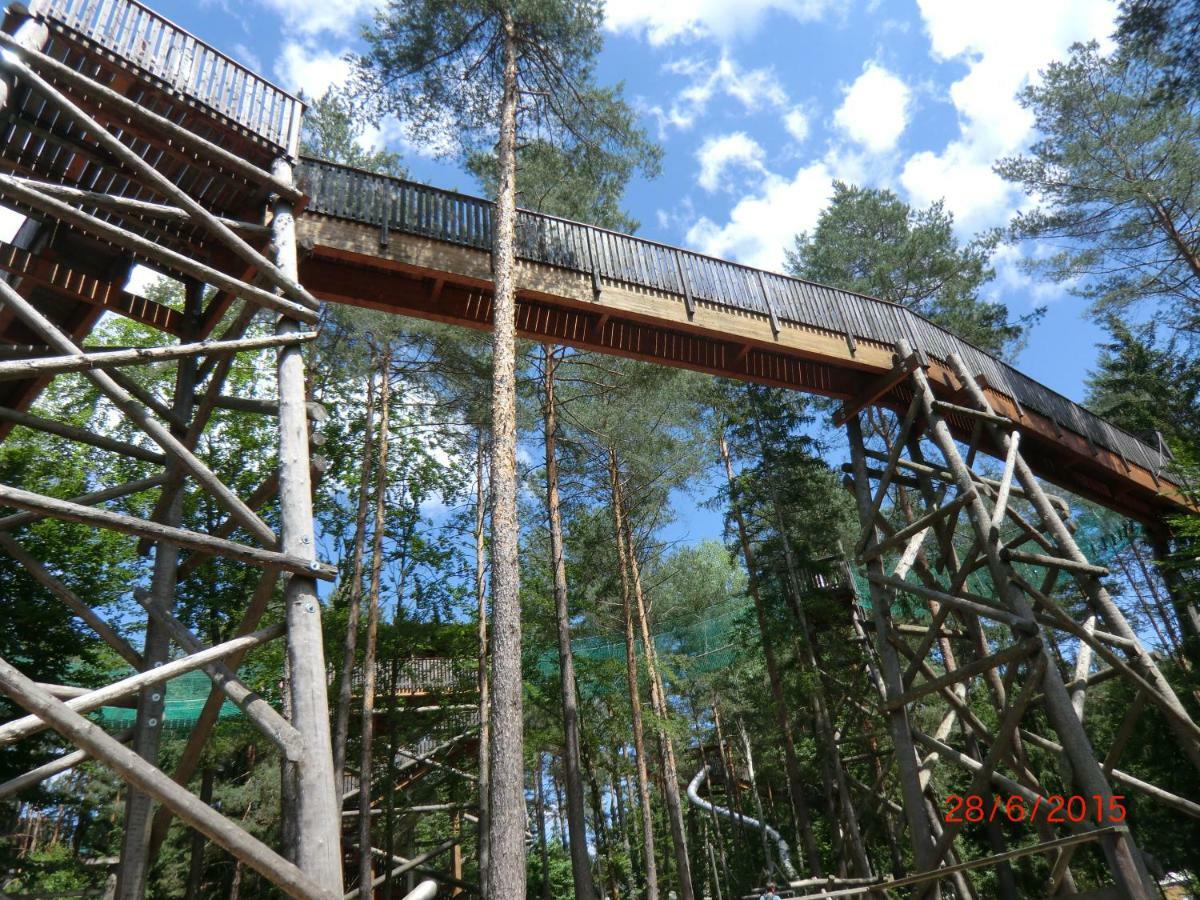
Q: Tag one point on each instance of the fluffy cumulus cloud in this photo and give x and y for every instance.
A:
(751, 90)
(874, 110)
(1002, 53)
(303, 67)
(312, 17)
(664, 21)
(719, 156)
(763, 223)
(795, 122)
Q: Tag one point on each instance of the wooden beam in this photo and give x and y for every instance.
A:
(57, 365)
(82, 435)
(193, 540)
(137, 772)
(77, 285)
(126, 687)
(881, 385)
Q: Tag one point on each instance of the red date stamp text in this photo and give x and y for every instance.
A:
(1056, 809)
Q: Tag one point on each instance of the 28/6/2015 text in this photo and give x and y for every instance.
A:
(1056, 809)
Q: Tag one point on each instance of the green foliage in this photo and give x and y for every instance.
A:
(1116, 173)
(576, 183)
(870, 241)
(1147, 384)
(439, 68)
(331, 131)
(1167, 31)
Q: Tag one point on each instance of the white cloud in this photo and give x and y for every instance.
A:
(717, 155)
(761, 225)
(311, 17)
(301, 67)
(1002, 54)
(874, 112)
(796, 122)
(664, 21)
(249, 57)
(752, 89)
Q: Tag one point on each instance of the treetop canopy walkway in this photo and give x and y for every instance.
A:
(385, 243)
(127, 140)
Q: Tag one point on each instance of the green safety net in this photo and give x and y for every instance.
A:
(704, 644)
(185, 698)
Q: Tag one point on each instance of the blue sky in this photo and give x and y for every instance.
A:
(760, 104)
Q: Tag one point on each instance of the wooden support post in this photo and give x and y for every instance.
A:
(1098, 597)
(131, 767)
(1122, 855)
(189, 759)
(317, 812)
(919, 827)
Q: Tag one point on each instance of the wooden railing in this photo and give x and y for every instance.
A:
(407, 207)
(418, 675)
(184, 63)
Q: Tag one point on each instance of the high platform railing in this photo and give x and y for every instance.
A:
(167, 53)
(407, 207)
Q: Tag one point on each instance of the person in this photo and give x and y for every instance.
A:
(769, 893)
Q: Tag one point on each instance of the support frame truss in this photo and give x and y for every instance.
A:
(249, 255)
(928, 526)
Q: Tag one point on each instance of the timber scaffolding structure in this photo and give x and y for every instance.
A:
(128, 141)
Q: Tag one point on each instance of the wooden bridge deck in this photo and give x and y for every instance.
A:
(407, 248)
(403, 247)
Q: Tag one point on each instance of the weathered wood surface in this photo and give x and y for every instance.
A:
(396, 245)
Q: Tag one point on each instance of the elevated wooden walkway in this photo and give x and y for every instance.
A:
(394, 245)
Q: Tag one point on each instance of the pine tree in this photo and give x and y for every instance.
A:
(475, 75)
(1117, 176)
(870, 241)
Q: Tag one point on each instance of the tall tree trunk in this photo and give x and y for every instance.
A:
(577, 829)
(1187, 611)
(539, 795)
(1168, 620)
(768, 856)
(195, 876)
(341, 729)
(484, 786)
(619, 801)
(365, 867)
(658, 703)
(506, 865)
(635, 702)
(603, 833)
(799, 804)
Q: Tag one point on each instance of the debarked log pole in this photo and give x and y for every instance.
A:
(145, 777)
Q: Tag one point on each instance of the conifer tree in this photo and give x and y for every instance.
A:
(473, 76)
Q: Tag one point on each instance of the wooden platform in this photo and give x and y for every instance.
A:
(401, 247)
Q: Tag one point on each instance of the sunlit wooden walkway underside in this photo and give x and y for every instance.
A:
(407, 248)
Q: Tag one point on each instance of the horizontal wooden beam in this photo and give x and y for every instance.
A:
(125, 687)
(71, 282)
(192, 540)
(58, 365)
(82, 435)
